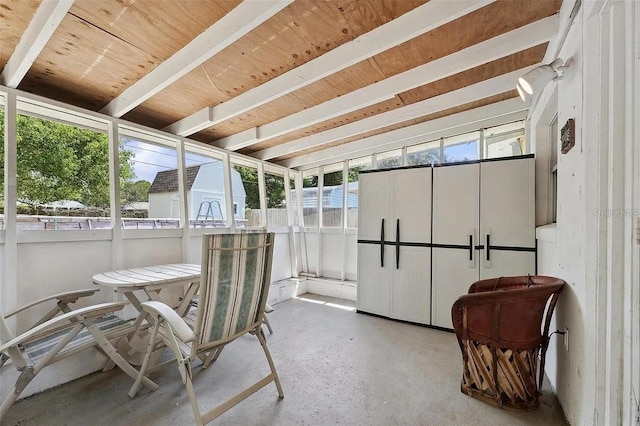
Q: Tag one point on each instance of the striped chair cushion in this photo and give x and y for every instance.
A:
(235, 268)
(111, 325)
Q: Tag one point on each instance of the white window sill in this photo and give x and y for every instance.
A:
(547, 233)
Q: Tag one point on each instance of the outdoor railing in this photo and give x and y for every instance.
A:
(45, 223)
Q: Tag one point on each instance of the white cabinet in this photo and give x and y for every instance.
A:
(394, 233)
(456, 202)
(507, 217)
(410, 295)
(419, 251)
(375, 292)
(487, 206)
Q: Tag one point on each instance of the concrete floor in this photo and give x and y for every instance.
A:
(336, 367)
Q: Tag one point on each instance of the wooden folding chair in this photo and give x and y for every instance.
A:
(236, 270)
(60, 333)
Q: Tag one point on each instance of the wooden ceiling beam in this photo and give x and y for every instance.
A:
(235, 24)
(422, 19)
(474, 92)
(462, 122)
(44, 23)
(503, 45)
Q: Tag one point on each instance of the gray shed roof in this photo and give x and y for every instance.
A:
(167, 181)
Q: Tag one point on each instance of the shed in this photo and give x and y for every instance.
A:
(205, 184)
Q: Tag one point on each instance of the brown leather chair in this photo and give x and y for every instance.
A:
(500, 332)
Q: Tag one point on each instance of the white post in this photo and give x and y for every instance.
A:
(303, 236)
(320, 218)
(616, 268)
(633, 110)
(183, 193)
(293, 257)
(263, 196)
(228, 191)
(114, 192)
(9, 288)
(345, 198)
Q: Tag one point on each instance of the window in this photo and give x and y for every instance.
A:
(389, 159)
(246, 193)
(62, 175)
(506, 140)
(554, 137)
(355, 166)
(294, 202)
(424, 154)
(276, 203)
(332, 196)
(462, 147)
(149, 196)
(205, 189)
(310, 199)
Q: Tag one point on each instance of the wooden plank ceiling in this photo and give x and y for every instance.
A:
(102, 48)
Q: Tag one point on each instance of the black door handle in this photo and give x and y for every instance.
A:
(382, 243)
(471, 247)
(397, 243)
(488, 247)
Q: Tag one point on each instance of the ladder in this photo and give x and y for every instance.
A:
(209, 211)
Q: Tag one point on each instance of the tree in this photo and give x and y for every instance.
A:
(274, 186)
(332, 179)
(137, 191)
(249, 178)
(429, 156)
(275, 191)
(60, 162)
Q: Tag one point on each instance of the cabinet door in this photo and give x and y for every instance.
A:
(410, 292)
(374, 205)
(455, 204)
(374, 280)
(412, 205)
(452, 276)
(455, 219)
(508, 264)
(507, 202)
(507, 217)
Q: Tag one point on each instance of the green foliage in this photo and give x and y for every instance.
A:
(431, 156)
(275, 191)
(60, 162)
(137, 191)
(332, 179)
(249, 178)
(274, 185)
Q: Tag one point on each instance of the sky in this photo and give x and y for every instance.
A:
(150, 159)
(461, 152)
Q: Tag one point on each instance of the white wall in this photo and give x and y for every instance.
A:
(310, 249)
(54, 267)
(332, 256)
(561, 248)
(587, 246)
(351, 257)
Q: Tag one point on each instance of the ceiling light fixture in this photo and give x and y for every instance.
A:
(536, 79)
